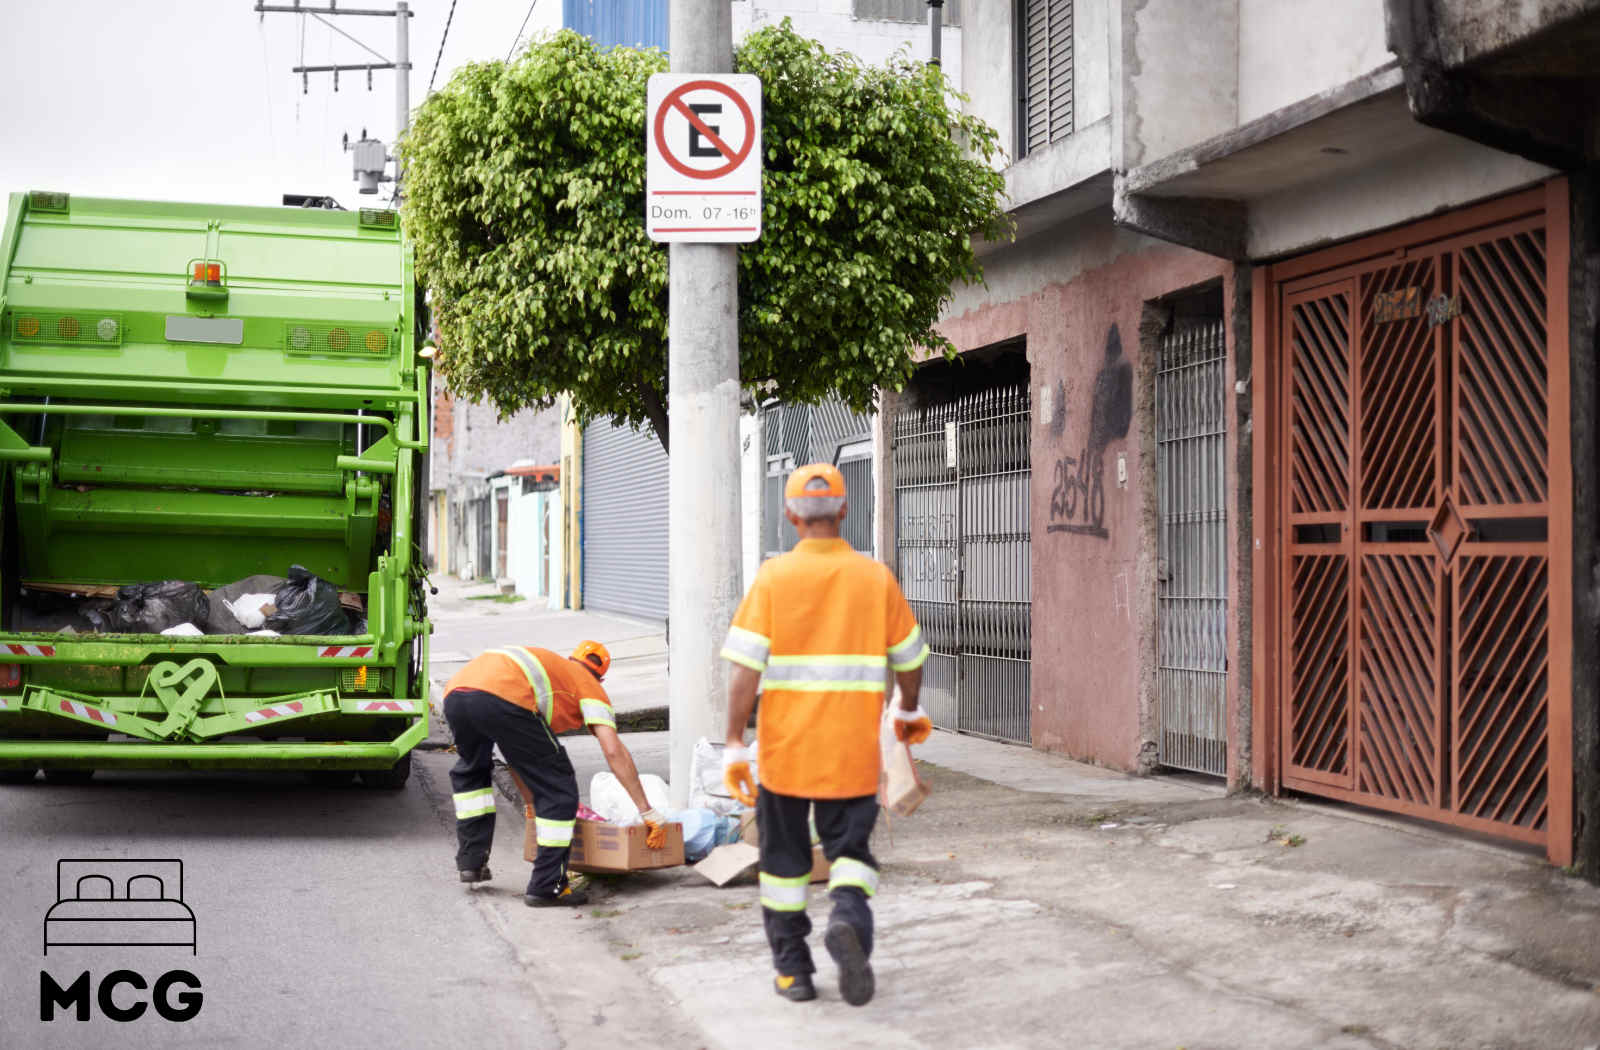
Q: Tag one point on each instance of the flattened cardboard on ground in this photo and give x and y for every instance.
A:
(750, 833)
(727, 862)
(612, 849)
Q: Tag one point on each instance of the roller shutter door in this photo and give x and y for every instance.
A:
(624, 521)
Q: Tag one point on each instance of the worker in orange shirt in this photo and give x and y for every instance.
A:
(816, 635)
(520, 697)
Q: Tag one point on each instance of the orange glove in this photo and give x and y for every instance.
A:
(912, 727)
(736, 774)
(655, 829)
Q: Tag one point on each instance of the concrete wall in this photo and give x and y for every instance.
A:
(1293, 49)
(989, 50)
(1446, 172)
(832, 23)
(1180, 70)
(1077, 296)
(1469, 29)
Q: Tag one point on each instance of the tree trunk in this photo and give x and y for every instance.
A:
(657, 411)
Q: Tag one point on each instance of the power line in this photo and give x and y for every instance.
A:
(448, 19)
(518, 40)
(347, 36)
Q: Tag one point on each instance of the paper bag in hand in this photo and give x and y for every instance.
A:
(899, 788)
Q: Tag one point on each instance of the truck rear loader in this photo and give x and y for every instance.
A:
(204, 394)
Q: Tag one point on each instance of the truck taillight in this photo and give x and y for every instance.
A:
(10, 676)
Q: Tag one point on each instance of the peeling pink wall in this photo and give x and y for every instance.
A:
(1093, 573)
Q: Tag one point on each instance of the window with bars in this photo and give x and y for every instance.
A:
(1044, 73)
(903, 11)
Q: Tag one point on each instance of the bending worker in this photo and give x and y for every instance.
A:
(520, 697)
(816, 635)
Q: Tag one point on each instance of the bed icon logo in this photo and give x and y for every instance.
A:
(119, 903)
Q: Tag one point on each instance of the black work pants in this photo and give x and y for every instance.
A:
(845, 827)
(479, 721)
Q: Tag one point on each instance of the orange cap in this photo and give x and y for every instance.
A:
(815, 490)
(594, 656)
(814, 481)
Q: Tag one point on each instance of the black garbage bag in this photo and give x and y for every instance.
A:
(307, 604)
(150, 608)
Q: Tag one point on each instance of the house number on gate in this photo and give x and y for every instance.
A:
(1397, 305)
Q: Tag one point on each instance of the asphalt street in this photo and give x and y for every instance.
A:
(324, 916)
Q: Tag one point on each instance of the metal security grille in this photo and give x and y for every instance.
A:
(1192, 596)
(963, 552)
(1044, 81)
(829, 432)
(625, 562)
(1427, 605)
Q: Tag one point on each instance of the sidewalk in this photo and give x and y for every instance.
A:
(1039, 902)
(468, 619)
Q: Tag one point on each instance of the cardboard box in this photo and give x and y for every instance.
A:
(613, 848)
(750, 832)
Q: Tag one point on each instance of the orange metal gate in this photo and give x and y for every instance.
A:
(1417, 492)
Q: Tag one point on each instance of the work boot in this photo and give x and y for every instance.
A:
(796, 989)
(567, 898)
(476, 874)
(856, 983)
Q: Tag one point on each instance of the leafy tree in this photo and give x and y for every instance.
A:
(525, 199)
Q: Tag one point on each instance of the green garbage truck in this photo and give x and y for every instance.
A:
(192, 396)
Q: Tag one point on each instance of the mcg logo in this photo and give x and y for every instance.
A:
(120, 904)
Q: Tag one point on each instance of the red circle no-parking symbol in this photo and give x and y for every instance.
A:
(732, 155)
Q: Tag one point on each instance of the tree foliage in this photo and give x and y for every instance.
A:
(525, 200)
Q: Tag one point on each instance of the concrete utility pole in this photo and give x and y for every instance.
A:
(703, 418)
(936, 28)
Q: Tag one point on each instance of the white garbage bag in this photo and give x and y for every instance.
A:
(607, 798)
(251, 609)
(706, 789)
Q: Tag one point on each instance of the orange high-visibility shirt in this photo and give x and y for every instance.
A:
(556, 686)
(823, 624)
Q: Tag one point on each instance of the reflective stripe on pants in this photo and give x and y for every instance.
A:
(553, 832)
(471, 804)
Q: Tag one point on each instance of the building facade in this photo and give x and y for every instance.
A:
(1273, 457)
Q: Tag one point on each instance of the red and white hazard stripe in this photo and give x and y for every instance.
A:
(387, 705)
(294, 707)
(93, 714)
(345, 650)
(31, 650)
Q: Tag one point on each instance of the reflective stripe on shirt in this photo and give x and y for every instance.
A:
(538, 679)
(847, 872)
(909, 654)
(851, 673)
(471, 804)
(596, 713)
(784, 894)
(746, 648)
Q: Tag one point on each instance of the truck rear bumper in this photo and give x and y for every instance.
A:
(139, 754)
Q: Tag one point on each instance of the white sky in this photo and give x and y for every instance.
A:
(194, 99)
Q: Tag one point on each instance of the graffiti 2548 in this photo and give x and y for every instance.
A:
(1078, 501)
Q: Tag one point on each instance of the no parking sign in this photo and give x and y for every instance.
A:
(703, 157)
